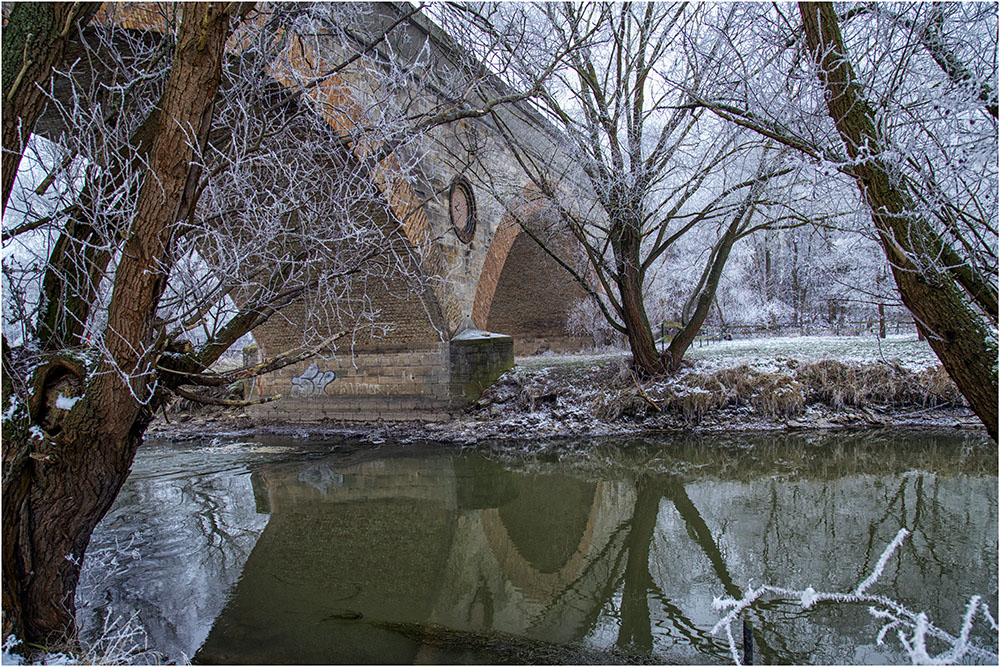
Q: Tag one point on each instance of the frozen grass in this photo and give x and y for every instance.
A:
(105, 638)
(766, 354)
(788, 381)
(770, 354)
(122, 641)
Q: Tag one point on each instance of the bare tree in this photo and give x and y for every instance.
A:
(216, 166)
(907, 115)
(51, 503)
(621, 135)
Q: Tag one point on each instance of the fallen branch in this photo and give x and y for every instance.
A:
(644, 395)
(893, 615)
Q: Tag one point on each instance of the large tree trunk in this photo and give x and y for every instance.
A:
(34, 40)
(626, 244)
(80, 257)
(67, 477)
(958, 334)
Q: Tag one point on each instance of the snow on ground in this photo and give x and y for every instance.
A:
(770, 354)
(767, 354)
(595, 393)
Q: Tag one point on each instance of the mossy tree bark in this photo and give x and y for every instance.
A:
(34, 40)
(63, 467)
(958, 331)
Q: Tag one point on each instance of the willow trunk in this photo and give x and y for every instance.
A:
(959, 335)
(64, 466)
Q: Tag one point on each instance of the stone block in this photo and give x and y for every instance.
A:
(476, 360)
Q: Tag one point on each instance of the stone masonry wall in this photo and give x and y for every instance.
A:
(393, 386)
(477, 359)
(379, 385)
(413, 372)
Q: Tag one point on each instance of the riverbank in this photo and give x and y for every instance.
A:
(777, 384)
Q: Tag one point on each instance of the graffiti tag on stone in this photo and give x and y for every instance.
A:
(312, 381)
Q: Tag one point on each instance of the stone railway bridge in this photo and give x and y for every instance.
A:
(492, 292)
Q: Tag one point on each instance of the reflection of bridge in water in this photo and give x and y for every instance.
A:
(356, 556)
(454, 542)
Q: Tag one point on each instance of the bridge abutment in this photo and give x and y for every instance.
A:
(403, 385)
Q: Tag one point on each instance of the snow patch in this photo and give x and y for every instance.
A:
(476, 334)
(67, 402)
(9, 412)
(9, 658)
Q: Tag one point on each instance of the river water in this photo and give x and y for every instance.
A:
(284, 550)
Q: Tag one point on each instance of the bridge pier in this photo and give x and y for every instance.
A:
(392, 385)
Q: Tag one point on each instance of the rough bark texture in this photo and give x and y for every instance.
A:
(34, 40)
(72, 471)
(934, 42)
(15, 485)
(626, 243)
(958, 334)
(717, 262)
(682, 341)
(80, 257)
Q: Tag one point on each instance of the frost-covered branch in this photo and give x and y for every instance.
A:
(912, 628)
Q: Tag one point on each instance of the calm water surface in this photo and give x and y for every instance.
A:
(297, 550)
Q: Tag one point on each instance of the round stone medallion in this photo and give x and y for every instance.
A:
(462, 208)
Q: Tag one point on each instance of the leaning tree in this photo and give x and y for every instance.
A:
(900, 101)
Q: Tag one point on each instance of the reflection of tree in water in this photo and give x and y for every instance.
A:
(672, 488)
(553, 554)
(629, 549)
(858, 516)
(636, 628)
(221, 533)
(188, 539)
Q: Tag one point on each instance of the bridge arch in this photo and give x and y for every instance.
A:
(523, 292)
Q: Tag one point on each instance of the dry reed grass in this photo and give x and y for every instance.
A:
(613, 393)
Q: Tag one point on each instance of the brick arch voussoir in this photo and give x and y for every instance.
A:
(500, 246)
(546, 586)
(503, 240)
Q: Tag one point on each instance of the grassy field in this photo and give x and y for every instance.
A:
(767, 354)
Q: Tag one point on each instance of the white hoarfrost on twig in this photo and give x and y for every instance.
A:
(122, 641)
(912, 628)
